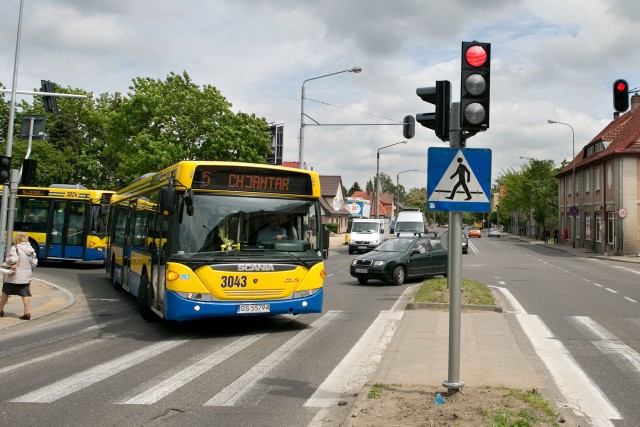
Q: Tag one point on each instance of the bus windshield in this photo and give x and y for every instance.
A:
(237, 224)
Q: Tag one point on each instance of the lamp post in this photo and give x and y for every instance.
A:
(302, 124)
(573, 175)
(378, 174)
(398, 187)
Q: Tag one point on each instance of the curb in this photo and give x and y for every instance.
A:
(445, 306)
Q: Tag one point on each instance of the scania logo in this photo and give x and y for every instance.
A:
(256, 267)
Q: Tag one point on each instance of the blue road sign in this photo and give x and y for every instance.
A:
(459, 179)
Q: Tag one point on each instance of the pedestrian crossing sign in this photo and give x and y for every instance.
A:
(458, 179)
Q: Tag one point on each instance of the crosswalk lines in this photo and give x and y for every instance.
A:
(155, 389)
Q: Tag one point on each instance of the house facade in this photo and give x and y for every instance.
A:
(332, 202)
(599, 191)
(386, 206)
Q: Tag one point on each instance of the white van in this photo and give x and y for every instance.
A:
(409, 223)
(367, 234)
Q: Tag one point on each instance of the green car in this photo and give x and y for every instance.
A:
(399, 259)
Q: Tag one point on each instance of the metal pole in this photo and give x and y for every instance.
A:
(454, 273)
(302, 125)
(377, 183)
(573, 182)
(398, 193)
(13, 191)
(12, 110)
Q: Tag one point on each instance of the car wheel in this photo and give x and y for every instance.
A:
(350, 251)
(398, 276)
(362, 280)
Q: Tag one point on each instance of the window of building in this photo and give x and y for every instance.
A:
(610, 229)
(597, 178)
(599, 224)
(587, 181)
(587, 226)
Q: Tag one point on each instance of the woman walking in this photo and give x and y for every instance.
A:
(22, 258)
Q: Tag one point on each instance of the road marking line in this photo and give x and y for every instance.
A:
(582, 394)
(611, 290)
(90, 376)
(236, 390)
(168, 386)
(353, 372)
(630, 299)
(607, 342)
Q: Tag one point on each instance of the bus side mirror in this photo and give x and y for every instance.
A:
(168, 200)
(325, 242)
(189, 201)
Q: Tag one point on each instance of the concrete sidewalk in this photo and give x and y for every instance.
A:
(47, 298)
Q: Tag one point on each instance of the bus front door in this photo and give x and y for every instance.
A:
(66, 238)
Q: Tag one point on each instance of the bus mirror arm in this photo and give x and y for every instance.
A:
(189, 201)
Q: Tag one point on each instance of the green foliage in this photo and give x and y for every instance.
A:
(108, 141)
(436, 290)
(332, 226)
(355, 187)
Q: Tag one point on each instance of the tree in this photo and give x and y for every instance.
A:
(355, 187)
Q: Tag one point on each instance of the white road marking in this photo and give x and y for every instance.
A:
(83, 379)
(236, 390)
(611, 290)
(630, 299)
(163, 389)
(582, 394)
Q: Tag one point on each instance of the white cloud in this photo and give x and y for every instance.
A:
(550, 60)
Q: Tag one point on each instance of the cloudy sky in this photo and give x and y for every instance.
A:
(550, 60)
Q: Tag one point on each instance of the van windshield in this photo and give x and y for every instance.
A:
(364, 227)
(409, 226)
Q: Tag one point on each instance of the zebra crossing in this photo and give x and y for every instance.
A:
(161, 385)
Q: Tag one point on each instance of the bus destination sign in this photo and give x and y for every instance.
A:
(252, 180)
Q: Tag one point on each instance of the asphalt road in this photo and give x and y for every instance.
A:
(590, 306)
(99, 363)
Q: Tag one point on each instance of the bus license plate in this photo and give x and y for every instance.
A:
(361, 270)
(253, 308)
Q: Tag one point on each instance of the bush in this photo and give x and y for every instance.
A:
(332, 226)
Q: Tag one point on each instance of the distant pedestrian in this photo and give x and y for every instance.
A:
(22, 258)
(556, 235)
(545, 235)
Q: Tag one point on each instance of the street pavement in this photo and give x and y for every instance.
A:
(490, 352)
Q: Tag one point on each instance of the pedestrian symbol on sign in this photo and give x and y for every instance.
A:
(464, 176)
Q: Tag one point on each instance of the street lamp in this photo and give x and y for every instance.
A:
(398, 187)
(302, 124)
(378, 174)
(573, 174)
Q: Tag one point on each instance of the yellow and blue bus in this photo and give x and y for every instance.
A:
(64, 222)
(186, 241)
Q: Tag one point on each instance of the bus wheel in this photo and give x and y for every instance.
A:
(34, 245)
(144, 300)
(114, 282)
(398, 276)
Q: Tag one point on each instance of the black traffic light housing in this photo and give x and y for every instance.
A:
(5, 169)
(440, 96)
(620, 95)
(409, 127)
(475, 86)
(50, 103)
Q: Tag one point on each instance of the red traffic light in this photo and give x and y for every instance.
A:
(620, 95)
(476, 56)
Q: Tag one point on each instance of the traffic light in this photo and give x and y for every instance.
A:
(50, 104)
(474, 86)
(5, 169)
(409, 127)
(440, 96)
(620, 95)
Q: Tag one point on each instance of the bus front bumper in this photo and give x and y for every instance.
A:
(182, 309)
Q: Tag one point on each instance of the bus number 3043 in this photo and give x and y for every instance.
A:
(231, 281)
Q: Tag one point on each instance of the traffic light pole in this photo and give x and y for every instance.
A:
(454, 272)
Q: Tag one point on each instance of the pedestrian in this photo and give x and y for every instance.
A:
(556, 234)
(545, 234)
(22, 258)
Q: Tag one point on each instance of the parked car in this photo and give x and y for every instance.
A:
(399, 259)
(474, 232)
(465, 243)
(494, 232)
